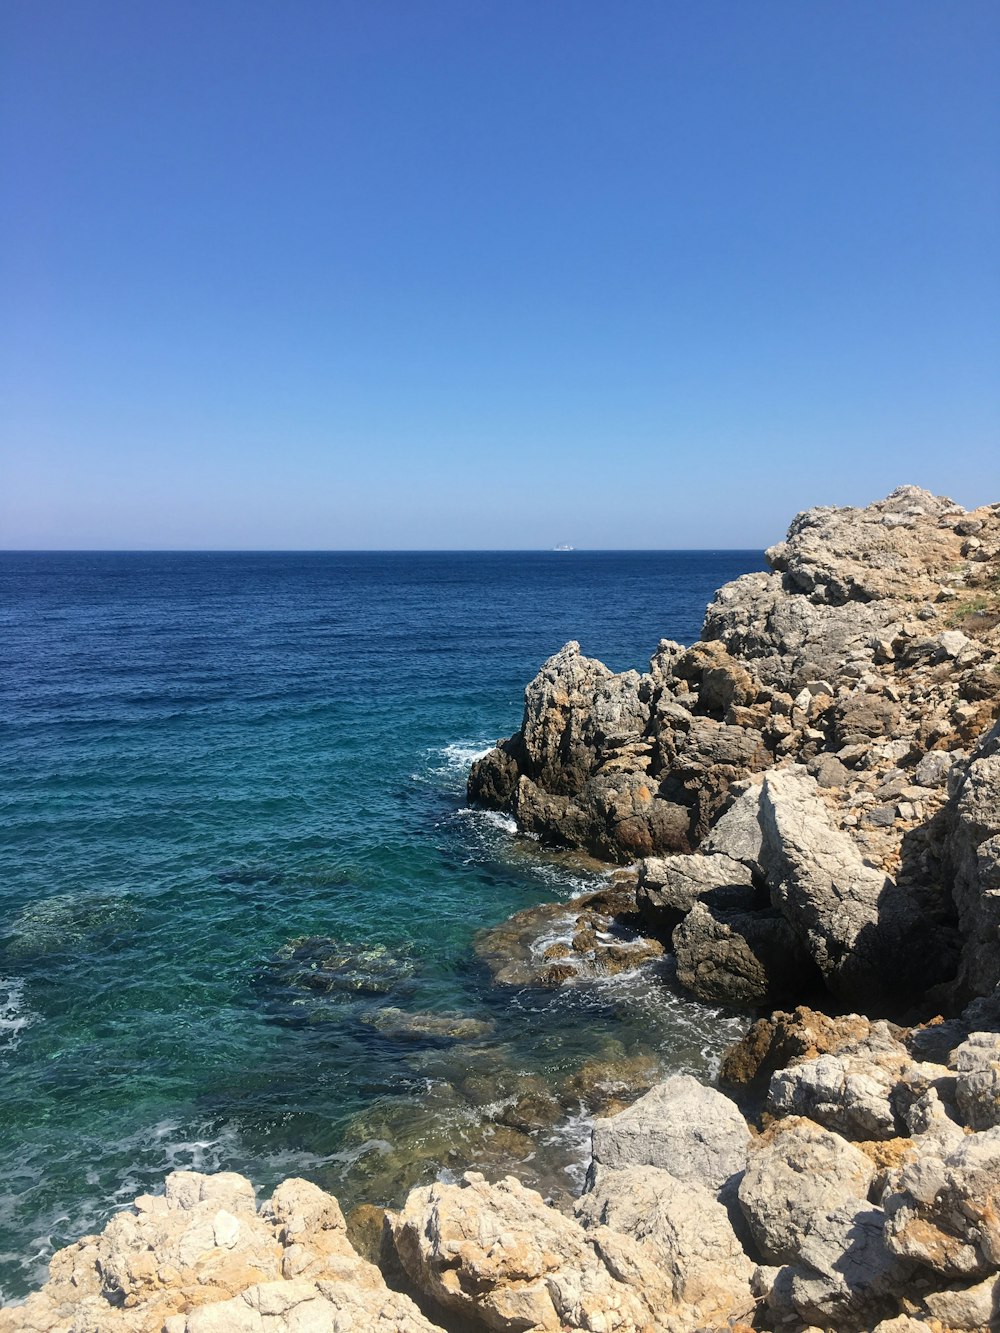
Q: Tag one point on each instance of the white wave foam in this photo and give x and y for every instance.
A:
(494, 817)
(573, 1136)
(14, 1015)
(462, 754)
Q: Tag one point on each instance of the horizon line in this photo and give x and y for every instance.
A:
(377, 550)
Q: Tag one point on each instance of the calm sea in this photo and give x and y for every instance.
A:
(208, 757)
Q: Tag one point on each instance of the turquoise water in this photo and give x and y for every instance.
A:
(208, 757)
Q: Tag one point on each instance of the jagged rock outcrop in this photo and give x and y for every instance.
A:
(804, 659)
(201, 1258)
(866, 660)
(869, 939)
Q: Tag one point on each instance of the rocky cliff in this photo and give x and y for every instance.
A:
(825, 749)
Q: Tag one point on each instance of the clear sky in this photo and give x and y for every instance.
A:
(492, 273)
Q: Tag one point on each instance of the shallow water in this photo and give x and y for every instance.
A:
(209, 757)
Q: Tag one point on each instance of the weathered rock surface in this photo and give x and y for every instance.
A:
(867, 937)
(737, 833)
(686, 1230)
(669, 887)
(200, 1258)
(974, 849)
(945, 1213)
(796, 1172)
(846, 1278)
(498, 1252)
(786, 1039)
(680, 1126)
(554, 943)
(747, 959)
(850, 1092)
(977, 1087)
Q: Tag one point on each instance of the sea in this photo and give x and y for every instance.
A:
(234, 835)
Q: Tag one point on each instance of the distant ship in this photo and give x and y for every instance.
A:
(564, 547)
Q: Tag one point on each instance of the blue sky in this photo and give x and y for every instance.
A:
(492, 273)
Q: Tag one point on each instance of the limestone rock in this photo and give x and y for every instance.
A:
(945, 1213)
(864, 934)
(306, 1307)
(850, 1092)
(496, 1252)
(200, 1259)
(797, 1171)
(974, 848)
(680, 1126)
(687, 1231)
(958, 1307)
(737, 832)
(845, 1278)
(977, 1087)
(669, 886)
(786, 1039)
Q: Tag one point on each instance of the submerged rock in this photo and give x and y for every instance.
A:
(320, 965)
(393, 1022)
(586, 938)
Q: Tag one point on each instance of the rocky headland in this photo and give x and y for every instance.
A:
(806, 808)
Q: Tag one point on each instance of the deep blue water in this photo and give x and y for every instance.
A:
(207, 756)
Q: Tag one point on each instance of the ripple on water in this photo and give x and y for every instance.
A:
(207, 757)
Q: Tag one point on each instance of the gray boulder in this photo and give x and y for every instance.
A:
(977, 1086)
(865, 935)
(669, 886)
(680, 1126)
(737, 832)
(796, 1172)
(845, 1277)
(684, 1227)
(961, 1307)
(851, 1092)
(974, 848)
